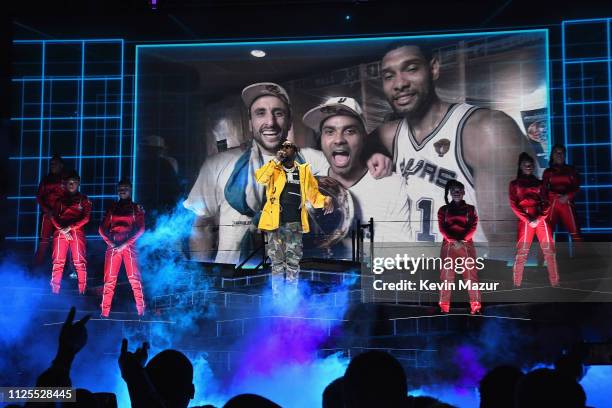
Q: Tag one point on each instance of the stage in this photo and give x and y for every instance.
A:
(239, 338)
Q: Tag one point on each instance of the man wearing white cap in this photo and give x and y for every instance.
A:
(226, 186)
(342, 127)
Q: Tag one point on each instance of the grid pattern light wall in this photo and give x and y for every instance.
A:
(67, 99)
(587, 115)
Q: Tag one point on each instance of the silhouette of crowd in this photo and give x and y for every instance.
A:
(372, 379)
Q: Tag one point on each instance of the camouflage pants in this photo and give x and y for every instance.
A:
(285, 252)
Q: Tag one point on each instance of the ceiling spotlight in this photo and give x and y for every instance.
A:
(258, 53)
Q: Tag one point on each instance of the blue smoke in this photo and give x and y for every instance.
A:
(14, 326)
(450, 394)
(161, 253)
(597, 384)
(19, 328)
(279, 355)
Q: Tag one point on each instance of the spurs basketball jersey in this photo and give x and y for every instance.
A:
(427, 166)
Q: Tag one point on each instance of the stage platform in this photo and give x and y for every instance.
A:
(224, 318)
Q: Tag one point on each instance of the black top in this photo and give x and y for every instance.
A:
(290, 198)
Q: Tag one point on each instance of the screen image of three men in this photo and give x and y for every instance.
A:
(393, 170)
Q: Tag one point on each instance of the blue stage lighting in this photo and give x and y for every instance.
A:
(79, 114)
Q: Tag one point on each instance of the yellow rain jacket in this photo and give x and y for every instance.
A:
(273, 177)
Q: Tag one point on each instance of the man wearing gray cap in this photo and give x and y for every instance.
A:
(226, 188)
(342, 126)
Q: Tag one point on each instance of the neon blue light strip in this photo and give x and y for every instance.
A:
(82, 98)
(584, 153)
(588, 103)
(135, 124)
(20, 163)
(68, 78)
(104, 130)
(601, 115)
(66, 118)
(63, 103)
(564, 80)
(66, 157)
(585, 60)
(588, 145)
(93, 40)
(40, 141)
(49, 132)
(577, 87)
(351, 40)
(548, 100)
(587, 20)
(596, 186)
(121, 115)
(609, 38)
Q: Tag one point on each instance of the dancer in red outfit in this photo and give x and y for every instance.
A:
(122, 225)
(529, 201)
(70, 215)
(457, 223)
(50, 190)
(562, 182)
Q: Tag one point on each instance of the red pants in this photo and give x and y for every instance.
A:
(77, 249)
(566, 213)
(46, 234)
(466, 250)
(112, 263)
(525, 236)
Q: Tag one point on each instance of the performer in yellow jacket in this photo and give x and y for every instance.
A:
(284, 216)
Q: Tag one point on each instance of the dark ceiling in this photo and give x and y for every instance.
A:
(136, 20)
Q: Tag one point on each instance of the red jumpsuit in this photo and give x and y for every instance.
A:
(49, 191)
(528, 199)
(457, 222)
(71, 210)
(558, 181)
(123, 224)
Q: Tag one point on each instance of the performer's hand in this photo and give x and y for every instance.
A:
(380, 166)
(563, 198)
(120, 247)
(130, 363)
(328, 205)
(533, 223)
(73, 336)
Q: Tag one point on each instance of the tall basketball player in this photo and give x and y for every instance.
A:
(433, 141)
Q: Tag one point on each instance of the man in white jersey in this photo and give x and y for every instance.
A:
(225, 192)
(433, 141)
(342, 127)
